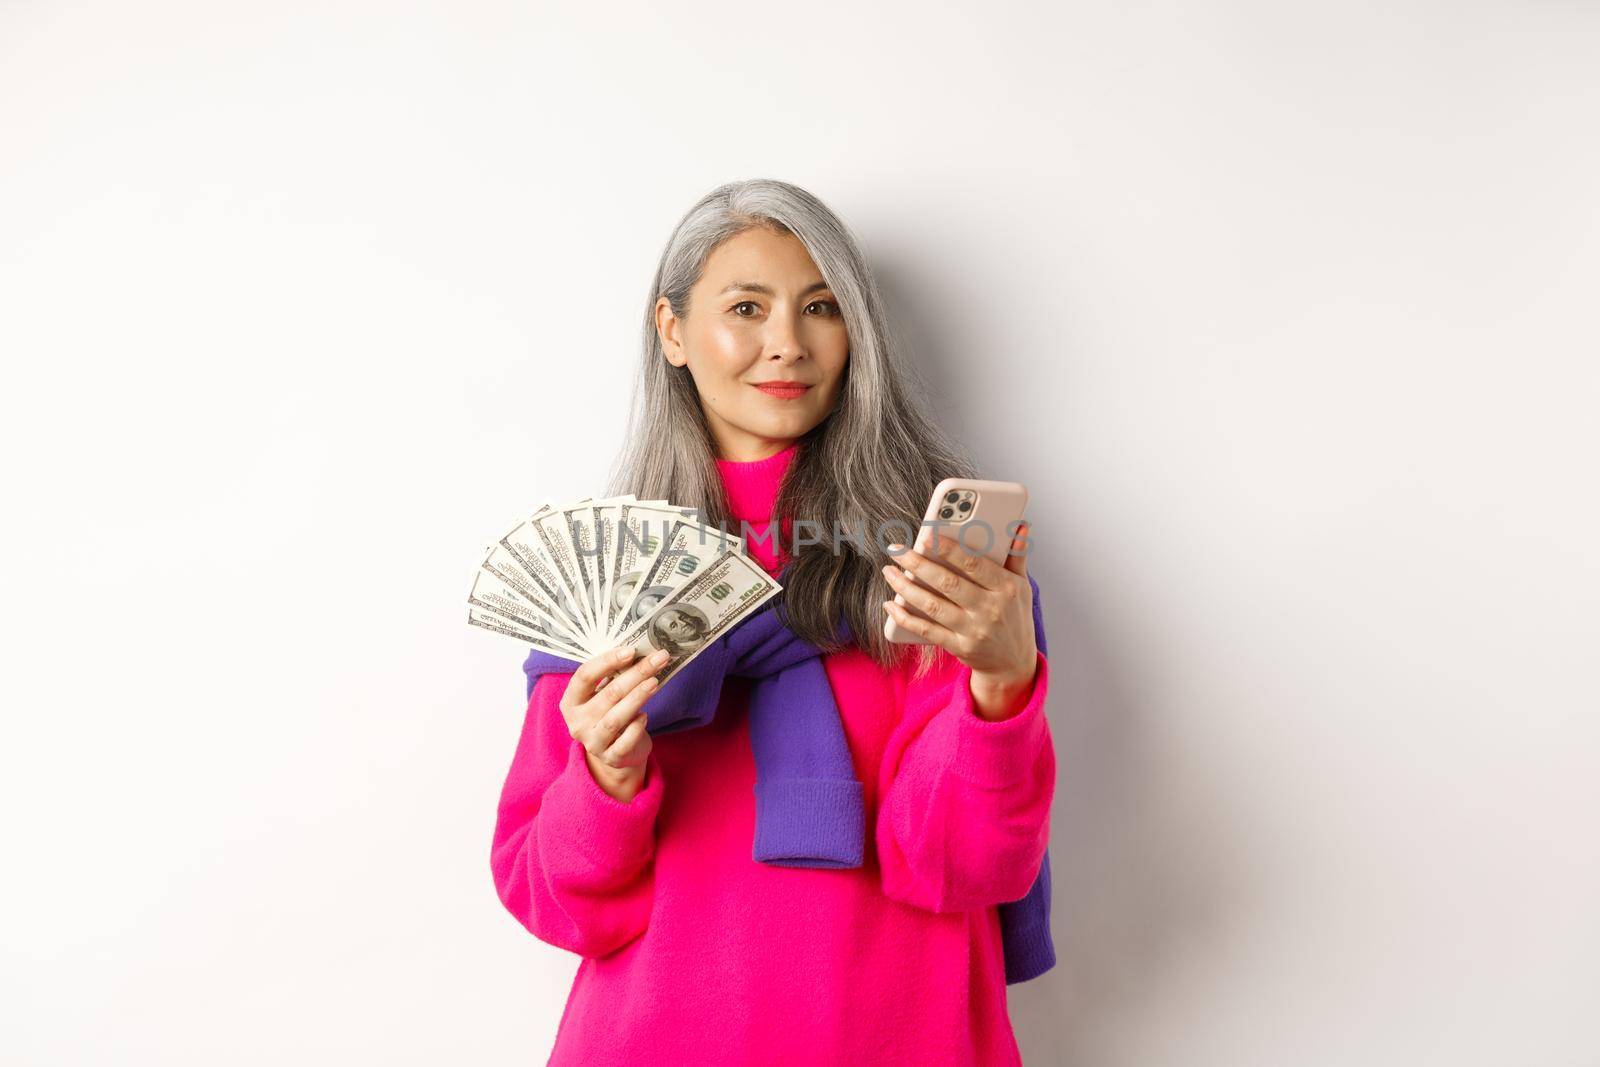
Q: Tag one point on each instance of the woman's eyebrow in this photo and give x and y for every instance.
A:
(757, 287)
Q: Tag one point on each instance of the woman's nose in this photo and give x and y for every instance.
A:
(783, 341)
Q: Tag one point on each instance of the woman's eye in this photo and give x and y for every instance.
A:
(828, 307)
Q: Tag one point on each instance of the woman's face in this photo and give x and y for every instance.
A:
(759, 313)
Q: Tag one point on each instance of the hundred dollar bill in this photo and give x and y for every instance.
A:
(491, 593)
(657, 551)
(572, 577)
(544, 548)
(595, 537)
(579, 520)
(633, 545)
(624, 514)
(617, 521)
(583, 528)
(500, 563)
(606, 519)
(725, 592)
(496, 623)
(525, 547)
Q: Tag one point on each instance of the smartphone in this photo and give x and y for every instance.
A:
(981, 516)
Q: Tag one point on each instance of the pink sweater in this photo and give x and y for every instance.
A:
(696, 954)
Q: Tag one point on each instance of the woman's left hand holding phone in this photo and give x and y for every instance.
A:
(980, 612)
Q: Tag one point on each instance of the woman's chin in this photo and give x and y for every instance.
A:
(789, 425)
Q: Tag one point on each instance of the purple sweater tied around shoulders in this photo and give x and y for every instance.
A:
(809, 808)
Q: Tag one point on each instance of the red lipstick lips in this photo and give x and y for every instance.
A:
(783, 390)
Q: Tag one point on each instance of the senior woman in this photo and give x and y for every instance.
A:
(770, 390)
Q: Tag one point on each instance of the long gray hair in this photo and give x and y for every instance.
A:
(867, 468)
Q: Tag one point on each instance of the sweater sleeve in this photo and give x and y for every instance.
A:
(575, 865)
(964, 814)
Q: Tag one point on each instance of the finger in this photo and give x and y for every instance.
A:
(942, 636)
(608, 725)
(955, 587)
(588, 677)
(602, 733)
(978, 569)
(627, 741)
(616, 719)
(923, 599)
(625, 681)
(1021, 545)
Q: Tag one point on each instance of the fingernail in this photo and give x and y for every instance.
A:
(896, 547)
(624, 652)
(658, 658)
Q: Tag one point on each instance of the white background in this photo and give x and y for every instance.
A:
(1286, 313)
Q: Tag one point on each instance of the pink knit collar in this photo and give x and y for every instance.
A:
(752, 485)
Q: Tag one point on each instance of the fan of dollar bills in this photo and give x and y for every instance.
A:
(578, 579)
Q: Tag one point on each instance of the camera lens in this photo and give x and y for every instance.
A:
(951, 496)
(945, 513)
(965, 505)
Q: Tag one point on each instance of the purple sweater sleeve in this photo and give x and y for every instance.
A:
(573, 864)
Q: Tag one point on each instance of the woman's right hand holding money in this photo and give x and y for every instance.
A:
(603, 708)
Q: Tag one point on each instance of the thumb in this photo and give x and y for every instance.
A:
(1018, 564)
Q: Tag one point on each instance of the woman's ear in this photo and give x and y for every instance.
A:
(667, 329)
